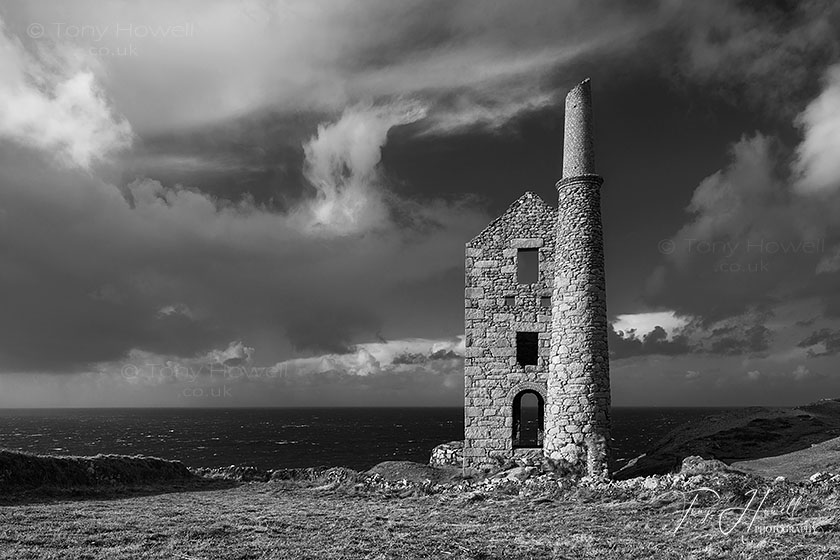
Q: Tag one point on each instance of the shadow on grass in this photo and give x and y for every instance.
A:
(15, 496)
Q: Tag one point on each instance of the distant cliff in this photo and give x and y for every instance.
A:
(741, 435)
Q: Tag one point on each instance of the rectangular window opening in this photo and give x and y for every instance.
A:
(510, 301)
(545, 301)
(527, 348)
(527, 265)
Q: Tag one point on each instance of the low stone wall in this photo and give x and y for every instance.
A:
(28, 470)
(448, 455)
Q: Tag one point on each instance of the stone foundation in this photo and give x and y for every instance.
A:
(448, 455)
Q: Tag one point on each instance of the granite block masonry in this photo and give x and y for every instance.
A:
(536, 322)
(447, 454)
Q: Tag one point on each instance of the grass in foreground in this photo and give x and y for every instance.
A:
(288, 521)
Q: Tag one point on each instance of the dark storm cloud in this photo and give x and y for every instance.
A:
(90, 273)
(438, 383)
(626, 345)
(252, 205)
(764, 52)
(368, 375)
(761, 230)
(721, 331)
(730, 340)
(829, 340)
(832, 305)
(753, 339)
(328, 329)
(752, 241)
(376, 373)
(417, 358)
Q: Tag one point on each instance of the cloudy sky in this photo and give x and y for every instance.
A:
(266, 203)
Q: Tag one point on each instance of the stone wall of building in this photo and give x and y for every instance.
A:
(577, 418)
(492, 375)
(572, 370)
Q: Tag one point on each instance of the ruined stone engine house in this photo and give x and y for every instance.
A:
(536, 321)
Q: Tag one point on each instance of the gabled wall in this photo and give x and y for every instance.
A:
(492, 375)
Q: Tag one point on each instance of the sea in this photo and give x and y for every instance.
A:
(272, 438)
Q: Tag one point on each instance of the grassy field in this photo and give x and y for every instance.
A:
(115, 507)
(290, 521)
(820, 457)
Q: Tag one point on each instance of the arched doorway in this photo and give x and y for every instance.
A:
(528, 412)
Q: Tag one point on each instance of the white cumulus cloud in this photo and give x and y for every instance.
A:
(817, 163)
(342, 165)
(53, 103)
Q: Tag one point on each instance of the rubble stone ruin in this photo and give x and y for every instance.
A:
(537, 365)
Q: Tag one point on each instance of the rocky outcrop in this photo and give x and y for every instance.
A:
(448, 455)
(698, 465)
(239, 473)
(538, 479)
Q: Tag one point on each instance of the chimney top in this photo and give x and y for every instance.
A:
(578, 151)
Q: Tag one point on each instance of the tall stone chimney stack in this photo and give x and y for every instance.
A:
(578, 151)
(578, 420)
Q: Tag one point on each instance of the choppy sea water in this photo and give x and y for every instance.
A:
(284, 437)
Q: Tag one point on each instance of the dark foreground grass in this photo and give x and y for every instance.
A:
(280, 520)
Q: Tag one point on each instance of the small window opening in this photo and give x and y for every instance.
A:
(510, 301)
(528, 412)
(527, 266)
(545, 301)
(526, 348)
